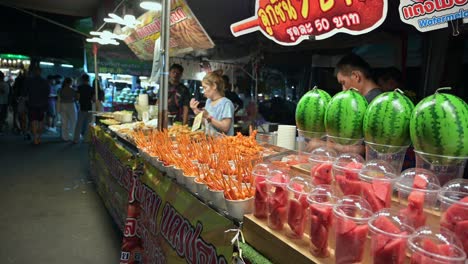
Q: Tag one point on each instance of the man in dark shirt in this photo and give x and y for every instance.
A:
(354, 72)
(85, 95)
(37, 89)
(178, 98)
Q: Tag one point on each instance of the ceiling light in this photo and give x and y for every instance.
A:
(103, 41)
(66, 65)
(150, 5)
(46, 63)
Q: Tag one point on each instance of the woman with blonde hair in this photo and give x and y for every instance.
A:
(218, 113)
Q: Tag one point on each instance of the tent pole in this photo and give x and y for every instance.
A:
(164, 78)
(96, 78)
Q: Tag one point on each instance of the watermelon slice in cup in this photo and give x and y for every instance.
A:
(277, 204)
(345, 171)
(453, 199)
(389, 233)
(351, 215)
(321, 202)
(260, 172)
(321, 160)
(435, 246)
(298, 190)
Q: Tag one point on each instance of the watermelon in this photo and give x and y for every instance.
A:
(321, 174)
(351, 170)
(350, 241)
(310, 110)
(455, 218)
(320, 223)
(391, 252)
(387, 119)
(369, 195)
(416, 200)
(461, 230)
(344, 115)
(420, 181)
(277, 218)
(260, 200)
(439, 125)
(348, 187)
(383, 191)
(296, 219)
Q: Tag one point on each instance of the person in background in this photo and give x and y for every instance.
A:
(231, 95)
(16, 95)
(390, 79)
(85, 97)
(38, 90)
(218, 113)
(4, 95)
(52, 110)
(67, 108)
(178, 95)
(354, 72)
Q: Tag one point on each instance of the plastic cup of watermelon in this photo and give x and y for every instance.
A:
(321, 160)
(351, 215)
(395, 155)
(445, 167)
(298, 190)
(417, 192)
(345, 145)
(321, 201)
(377, 180)
(310, 140)
(453, 199)
(345, 172)
(260, 172)
(277, 206)
(389, 233)
(435, 246)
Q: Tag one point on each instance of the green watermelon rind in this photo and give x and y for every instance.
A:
(387, 119)
(439, 126)
(345, 114)
(310, 110)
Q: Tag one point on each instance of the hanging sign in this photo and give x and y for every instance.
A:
(427, 15)
(288, 22)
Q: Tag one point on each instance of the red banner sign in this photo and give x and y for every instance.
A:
(288, 22)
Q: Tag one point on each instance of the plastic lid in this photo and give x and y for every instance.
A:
(353, 207)
(261, 170)
(323, 154)
(345, 159)
(391, 223)
(277, 177)
(300, 185)
(453, 191)
(425, 237)
(375, 169)
(406, 181)
(323, 194)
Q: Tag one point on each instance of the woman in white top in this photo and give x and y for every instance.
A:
(218, 113)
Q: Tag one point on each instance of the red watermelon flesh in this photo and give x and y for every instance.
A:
(321, 174)
(370, 196)
(277, 218)
(383, 192)
(260, 209)
(321, 220)
(350, 245)
(261, 190)
(393, 252)
(348, 187)
(279, 198)
(420, 182)
(351, 170)
(304, 202)
(296, 218)
(430, 246)
(385, 224)
(457, 212)
(416, 200)
(461, 230)
(417, 217)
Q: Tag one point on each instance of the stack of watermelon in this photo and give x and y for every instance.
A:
(429, 247)
(321, 160)
(260, 172)
(377, 178)
(421, 187)
(277, 200)
(321, 203)
(439, 127)
(310, 110)
(344, 117)
(351, 215)
(388, 239)
(298, 189)
(454, 204)
(345, 171)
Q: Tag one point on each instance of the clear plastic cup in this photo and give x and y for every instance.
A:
(351, 216)
(345, 171)
(417, 190)
(389, 233)
(310, 140)
(321, 161)
(298, 190)
(453, 199)
(395, 155)
(345, 145)
(377, 180)
(321, 202)
(446, 168)
(260, 172)
(277, 200)
(435, 246)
